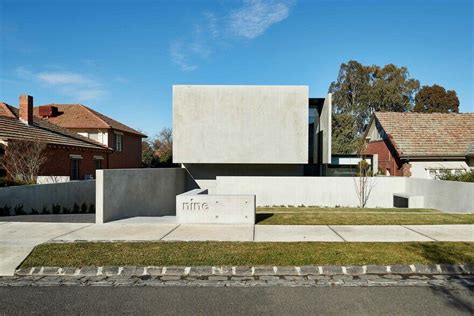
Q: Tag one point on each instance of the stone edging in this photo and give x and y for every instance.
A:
(178, 272)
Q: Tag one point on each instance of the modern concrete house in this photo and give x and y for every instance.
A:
(250, 131)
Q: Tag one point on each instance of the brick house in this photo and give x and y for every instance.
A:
(125, 141)
(421, 145)
(69, 156)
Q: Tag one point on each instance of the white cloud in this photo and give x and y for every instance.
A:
(212, 31)
(64, 78)
(179, 57)
(256, 16)
(77, 86)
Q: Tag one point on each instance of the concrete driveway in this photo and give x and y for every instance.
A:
(18, 239)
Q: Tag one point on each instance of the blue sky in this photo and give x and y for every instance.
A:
(122, 57)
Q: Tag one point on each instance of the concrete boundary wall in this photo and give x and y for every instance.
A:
(318, 191)
(449, 196)
(123, 193)
(38, 196)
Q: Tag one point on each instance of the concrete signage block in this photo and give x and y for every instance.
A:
(196, 207)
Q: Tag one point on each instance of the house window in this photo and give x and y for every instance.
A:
(118, 142)
(98, 162)
(94, 136)
(75, 162)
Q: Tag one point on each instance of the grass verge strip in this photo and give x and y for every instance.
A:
(362, 219)
(247, 253)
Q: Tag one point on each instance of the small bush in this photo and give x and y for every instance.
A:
(5, 211)
(91, 208)
(75, 208)
(66, 210)
(18, 210)
(56, 208)
(83, 207)
(45, 210)
(463, 177)
(34, 211)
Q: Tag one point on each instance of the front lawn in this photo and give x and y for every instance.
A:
(357, 216)
(247, 253)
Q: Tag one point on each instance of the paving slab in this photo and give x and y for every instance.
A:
(118, 232)
(446, 232)
(194, 232)
(35, 233)
(295, 233)
(147, 220)
(377, 233)
(17, 240)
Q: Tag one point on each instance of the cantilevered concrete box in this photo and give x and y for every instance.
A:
(240, 124)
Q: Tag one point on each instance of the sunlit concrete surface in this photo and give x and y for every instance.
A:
(202, 232)
(378, 233)
(446, 232)
(295, 233)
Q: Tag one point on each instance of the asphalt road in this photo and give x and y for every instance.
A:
(247, 301)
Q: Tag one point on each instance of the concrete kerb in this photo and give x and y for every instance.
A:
(254, 271)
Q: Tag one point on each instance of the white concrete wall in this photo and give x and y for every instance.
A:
(240, 124)
(449, 196)
(317, 191)
(326, 129)
(123, 193)
(198, 207)
(420, 169)
(39, 195)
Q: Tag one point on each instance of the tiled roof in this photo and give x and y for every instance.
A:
(80, 116)
(41, 131)
(428, 134)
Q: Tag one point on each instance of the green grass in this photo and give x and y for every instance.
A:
(357, 216)
(312, 209)
(247, 253)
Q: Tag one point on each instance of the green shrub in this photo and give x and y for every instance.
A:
(18, 209)
(5, 211)
(91, 208)
(66, 210)
(45, 210)
(75, 208)
(463, 177)
(83, 207)
(34, 211)
(56, 208)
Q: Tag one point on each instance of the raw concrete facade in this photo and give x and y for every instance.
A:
(240, 124)
(248, 130)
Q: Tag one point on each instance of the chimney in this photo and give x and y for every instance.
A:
(26, 109)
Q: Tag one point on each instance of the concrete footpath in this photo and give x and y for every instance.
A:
(18, 239)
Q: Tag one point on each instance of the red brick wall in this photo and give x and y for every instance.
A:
(59, 162)
(131, 154)
(386, 158)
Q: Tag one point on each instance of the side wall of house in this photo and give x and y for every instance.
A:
(58, 162)
(131, 154)
(386, 161)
